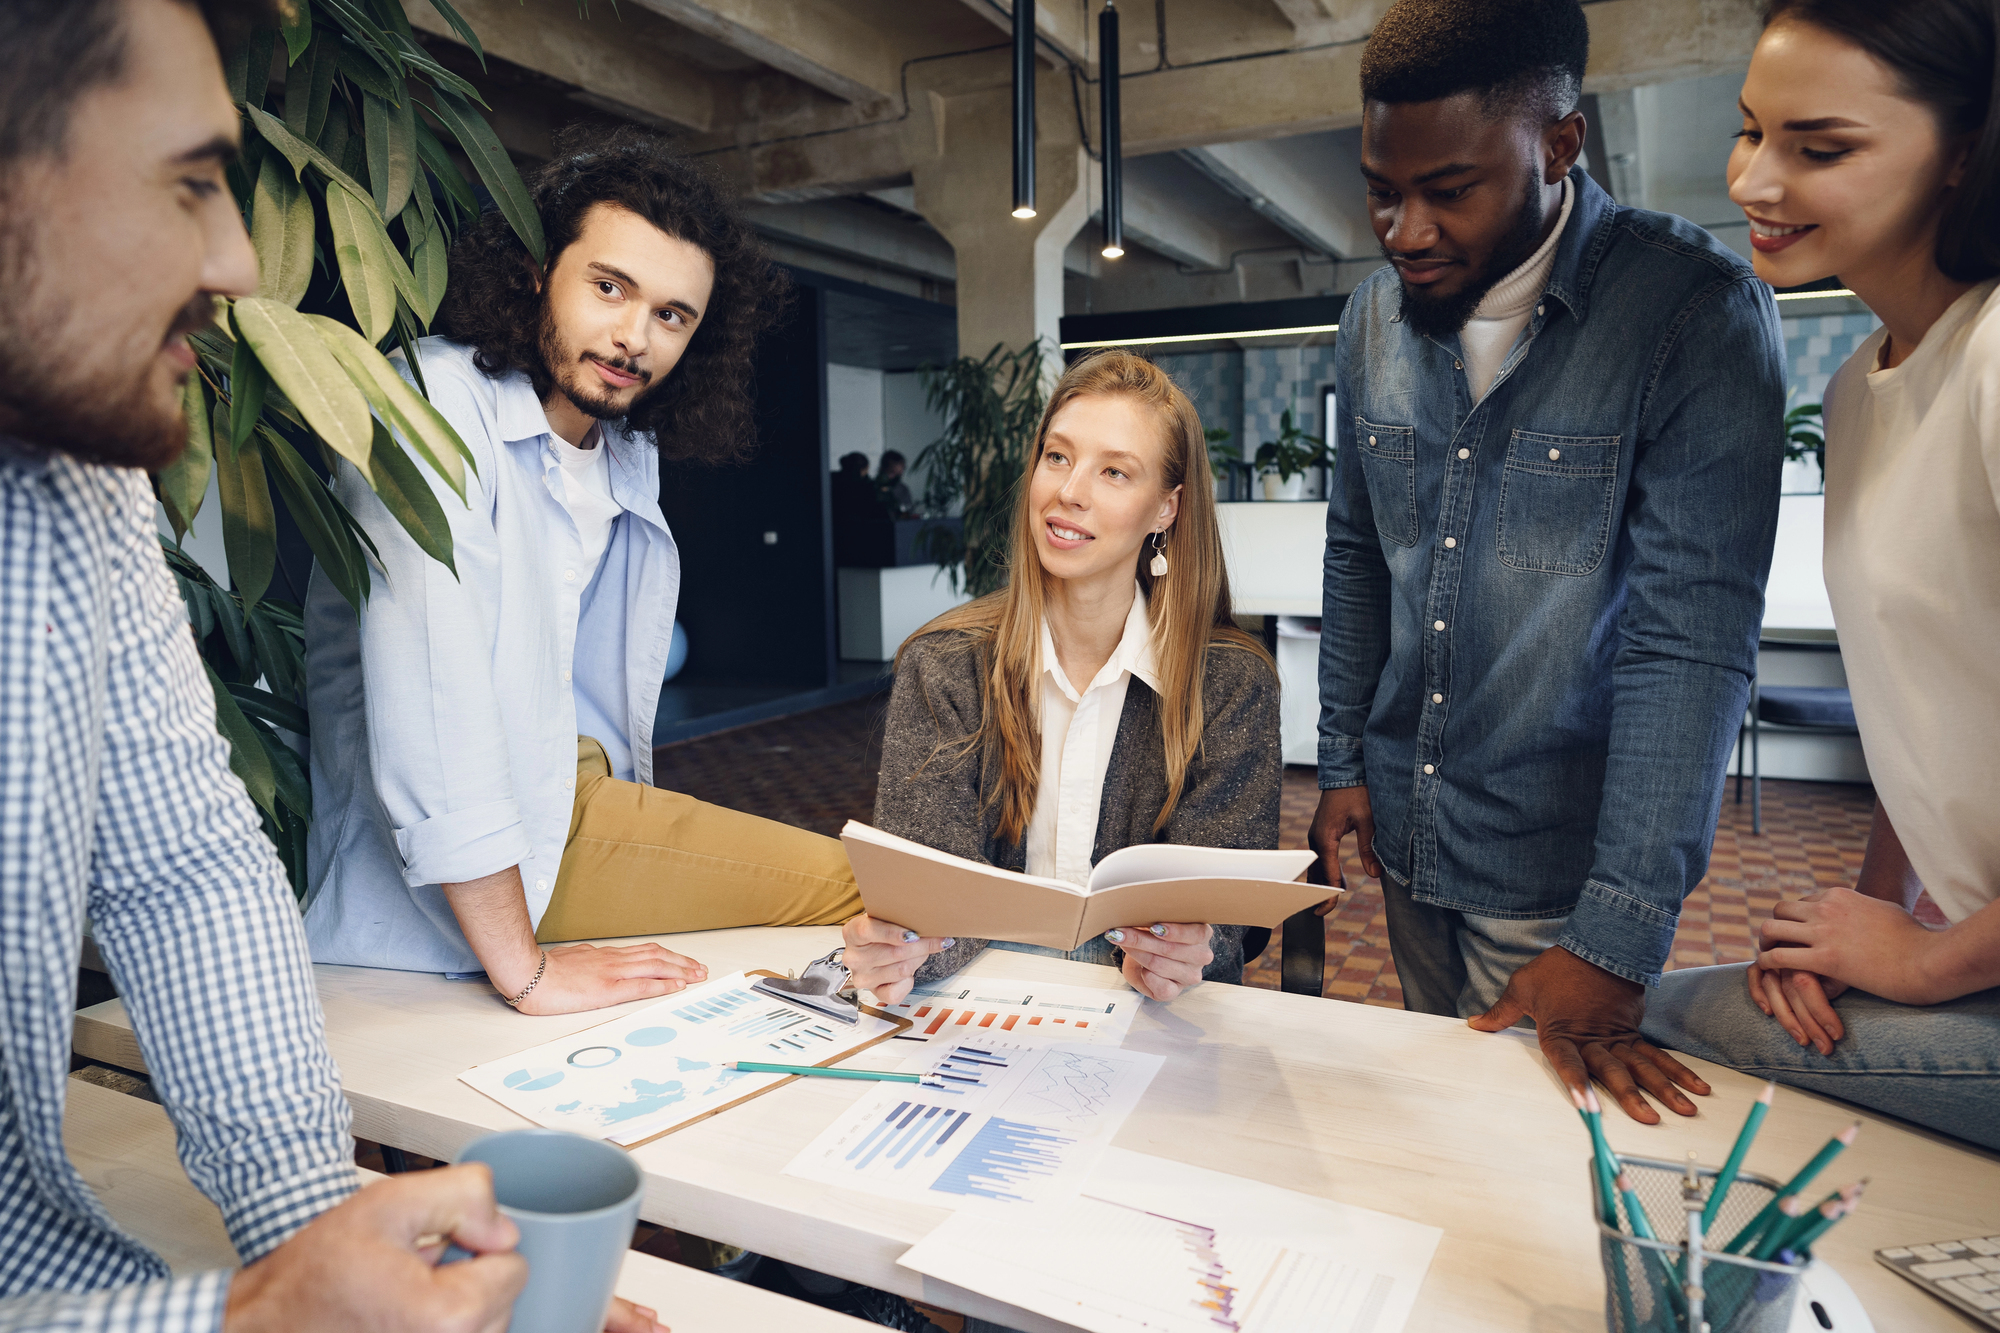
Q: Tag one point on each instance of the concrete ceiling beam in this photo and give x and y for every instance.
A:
(1309, 188)
(1158, 223)
(1639, 42)
(601, 60)
(1315, 21)
(859, 231)
(1066, 28)
(815, 41)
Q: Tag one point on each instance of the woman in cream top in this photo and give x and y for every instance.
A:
(1869, 152)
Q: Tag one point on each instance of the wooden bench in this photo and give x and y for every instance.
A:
(125, 1149)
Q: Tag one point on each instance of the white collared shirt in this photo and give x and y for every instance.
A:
(1078, 731)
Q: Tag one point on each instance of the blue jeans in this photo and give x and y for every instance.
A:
(1937, 1066)
(1458, 963)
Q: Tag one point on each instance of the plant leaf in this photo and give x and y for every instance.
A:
(247, 383)
(434, 156)
(265, 706)
(400, 405)
(247, 757)
(368, 70)
(495, 168)
(299, 363)
(281, 229)
(364, 268)
(391, 131)
(319, 519)
(298, 152)
(429, 261)
(249, 524)
(184, 484)
(462, 28)
(368, 38)
(289, 776)
(298, 30)
(408, 496)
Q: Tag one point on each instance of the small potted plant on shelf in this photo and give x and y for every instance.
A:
(1805, 440)
(1283, 462)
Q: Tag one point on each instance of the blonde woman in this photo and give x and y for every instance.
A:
(1103, 698)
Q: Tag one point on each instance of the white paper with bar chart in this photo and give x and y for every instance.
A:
(1007, 1125)
(665, 1066)
(1021, 1013)
(1156, 1246)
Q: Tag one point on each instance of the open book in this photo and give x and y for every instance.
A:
(935, 893)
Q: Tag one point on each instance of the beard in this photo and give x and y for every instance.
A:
(1443, 316)
(55, 391)
(569, 372)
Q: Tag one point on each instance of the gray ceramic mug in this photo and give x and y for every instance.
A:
(575, 1201)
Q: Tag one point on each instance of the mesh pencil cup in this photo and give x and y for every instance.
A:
(1669, 1286)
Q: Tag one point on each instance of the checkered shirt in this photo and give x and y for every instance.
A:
(117, 806)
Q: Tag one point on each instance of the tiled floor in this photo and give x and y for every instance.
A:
(817, 770)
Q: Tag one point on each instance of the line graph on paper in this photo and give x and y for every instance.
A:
(1068, 1088)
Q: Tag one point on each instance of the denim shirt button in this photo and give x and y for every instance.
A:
(1371, 439)
(1458, 365)
(1450, 543)
(1554, 454)
(1430, 768)
(1465, 453)
(1437, 698)
(1437, 624)
(1538, 310)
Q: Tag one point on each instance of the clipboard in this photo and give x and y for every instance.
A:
(557, 1083)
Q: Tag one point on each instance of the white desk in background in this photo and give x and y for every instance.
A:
(1406, 1113)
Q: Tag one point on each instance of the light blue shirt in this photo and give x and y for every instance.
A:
(445, 718)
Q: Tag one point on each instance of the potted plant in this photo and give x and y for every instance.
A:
(1805, 441)
(1225, 463)
(1283, 462)
(991, 406)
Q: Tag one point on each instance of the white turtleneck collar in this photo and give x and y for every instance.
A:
(1489, 335)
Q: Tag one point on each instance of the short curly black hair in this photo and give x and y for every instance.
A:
(703, 411)
(1519, 55)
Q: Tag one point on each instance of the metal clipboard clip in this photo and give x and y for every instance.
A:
(822, 988)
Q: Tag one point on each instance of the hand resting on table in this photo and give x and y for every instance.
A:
(1161, 960)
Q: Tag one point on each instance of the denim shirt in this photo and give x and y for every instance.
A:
(1542, 608)
(445, 717)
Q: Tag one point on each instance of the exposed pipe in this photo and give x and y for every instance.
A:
(1024, 108)
(1110, 132)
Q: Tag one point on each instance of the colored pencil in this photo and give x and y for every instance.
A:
(1752, 1230)
(1744, 1137)
(1800, 1243)
(1790, 1209)
(1642, 1227)
(1600, 1153)
(820, 1071)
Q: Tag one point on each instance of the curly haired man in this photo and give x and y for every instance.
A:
(482, 736)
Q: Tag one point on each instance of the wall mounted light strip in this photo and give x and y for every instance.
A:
(1110, 133)
(1024, 108)
(1841, 294)
(1203, 337)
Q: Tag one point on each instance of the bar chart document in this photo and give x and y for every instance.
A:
(1153, 1246)
(1006, 1125)
(665, 1066)
(1021, 1013)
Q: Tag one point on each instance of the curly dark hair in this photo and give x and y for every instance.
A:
(1519, 55)
(703, 411)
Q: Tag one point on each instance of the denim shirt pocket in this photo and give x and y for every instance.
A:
(1555, 501)
(1389, 463)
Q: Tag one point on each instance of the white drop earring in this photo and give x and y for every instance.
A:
(1159, 565)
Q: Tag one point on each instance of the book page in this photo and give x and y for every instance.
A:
(1165, 860)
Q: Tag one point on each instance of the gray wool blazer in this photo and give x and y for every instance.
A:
(929, 793)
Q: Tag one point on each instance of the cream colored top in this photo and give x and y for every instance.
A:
(1078, 730)
(1503, 312)
(1913, 571)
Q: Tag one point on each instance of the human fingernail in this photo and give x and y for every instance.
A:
(946, 943)
(909, 937)
(1115, 936)
(1158, 930)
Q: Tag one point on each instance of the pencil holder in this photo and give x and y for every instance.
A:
(1666, 1286)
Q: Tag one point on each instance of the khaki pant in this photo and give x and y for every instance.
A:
(642, 861)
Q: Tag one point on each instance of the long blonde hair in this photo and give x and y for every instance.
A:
(1189, 608)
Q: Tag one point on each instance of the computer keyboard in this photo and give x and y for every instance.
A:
(1965, 1273)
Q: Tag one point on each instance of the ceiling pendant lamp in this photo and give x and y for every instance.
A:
(1024, 108)
(1110, 133)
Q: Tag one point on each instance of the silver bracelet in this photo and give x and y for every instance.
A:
(516, 1000)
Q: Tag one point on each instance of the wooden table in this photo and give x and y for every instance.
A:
(1406, 1113)
(125, 1149)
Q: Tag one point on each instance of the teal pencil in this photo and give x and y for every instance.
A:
(1801, 1242)
(1600, 1153)
(1743, 1239)
(819, 1071)
(1747, 1135)
(1790, 1209)
(1642, 1227)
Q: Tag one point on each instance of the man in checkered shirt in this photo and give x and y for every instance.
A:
(117, 229)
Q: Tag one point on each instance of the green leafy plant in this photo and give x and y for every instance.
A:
(991, 406)
(1220, 456)
(1293, 451)
(352, 200)
(1805, 435)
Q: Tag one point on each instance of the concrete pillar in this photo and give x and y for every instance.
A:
(1010, 270)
